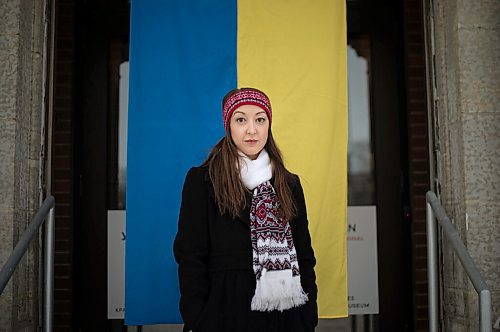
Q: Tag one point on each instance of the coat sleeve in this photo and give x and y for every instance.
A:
(191, 248)
(305, 255)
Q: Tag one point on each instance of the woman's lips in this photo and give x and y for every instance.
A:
(251, 141)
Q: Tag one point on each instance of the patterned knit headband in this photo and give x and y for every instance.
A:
(245, 97)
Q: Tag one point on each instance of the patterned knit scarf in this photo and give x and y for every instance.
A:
(274, 257)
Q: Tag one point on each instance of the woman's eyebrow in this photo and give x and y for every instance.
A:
(246, 114)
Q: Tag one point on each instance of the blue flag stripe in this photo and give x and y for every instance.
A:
(182, 61)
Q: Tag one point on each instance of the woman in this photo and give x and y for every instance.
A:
(243, 244)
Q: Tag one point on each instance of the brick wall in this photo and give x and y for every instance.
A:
(62, 161)
(418, 149)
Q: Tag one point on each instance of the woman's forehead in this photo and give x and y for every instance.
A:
(249, 110)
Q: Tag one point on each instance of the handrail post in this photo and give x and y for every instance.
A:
(432, 269)
(485, 311)
(49, 271)
(436, 211)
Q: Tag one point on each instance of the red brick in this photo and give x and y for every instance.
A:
(415, 59)
(60, 327)
(64, 66)
(62, 258)
(62, 245)
(416, 94)
(65, 53)
(420, 238)
(62, 283)
(421, 287)
(62, 305)
(415, 71)
(418, 214)
(62, 270)
(416, 82)
(422, 312)
(421, 262)
(422, 297)
(414, 27)
(419, 116)
(420, 164)
(412, 5)
(66, 34)
(417, 105)
(419, 220)
(60, 294)
(420, 273)
(64, 211)
(65, 8)
(422, 325)
(415, 38)
(421, 250)
(63, 233)
(62, 221)
(419, 226)
(420, 51)
(419, 177)
(62, 162)
(419, 154)
(63, 318)
(62, 103)
(62, 149)
(62, 186)
(62, 138)
(65, 77)
(65, 21)
(420, 187)
(413, 17)
(64, 89)
(64, 113)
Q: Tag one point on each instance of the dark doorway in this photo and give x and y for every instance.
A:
(102, 32)
(375, 31)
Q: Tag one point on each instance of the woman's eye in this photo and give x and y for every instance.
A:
(261, 120)
(240, 120)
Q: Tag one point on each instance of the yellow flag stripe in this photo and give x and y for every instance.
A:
(295, 51)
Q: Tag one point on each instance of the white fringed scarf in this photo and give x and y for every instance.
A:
(274, 257)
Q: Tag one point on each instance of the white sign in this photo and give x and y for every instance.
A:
(116, 264)
(362, 266)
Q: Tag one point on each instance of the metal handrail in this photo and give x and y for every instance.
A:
(435, 209)
(47, 209)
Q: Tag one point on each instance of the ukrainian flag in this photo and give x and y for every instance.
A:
(184, 56)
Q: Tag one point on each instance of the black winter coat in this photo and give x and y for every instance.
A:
(216, 276)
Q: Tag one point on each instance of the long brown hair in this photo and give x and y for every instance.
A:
(223, 168)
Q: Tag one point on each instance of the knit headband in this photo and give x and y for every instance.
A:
(245, 97)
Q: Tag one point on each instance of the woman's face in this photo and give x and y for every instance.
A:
(249, 127)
